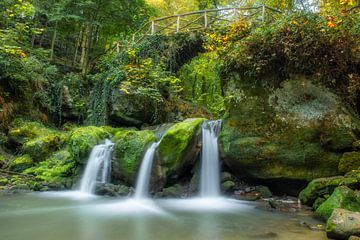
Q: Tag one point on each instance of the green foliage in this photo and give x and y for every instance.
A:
(23, 131)
(301, 43)
(201, 82)
(57, 169)
(21, 163)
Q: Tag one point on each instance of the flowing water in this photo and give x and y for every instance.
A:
(143, 180)
(42, 216)
(98, 167)
(209, 178)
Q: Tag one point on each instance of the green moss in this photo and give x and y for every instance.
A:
(227, 186)
(82, 139)
(176, 142)
(322, 186)
(21, 163)
(25, 131)
(41, 147)
(130, 146)
(58, 169)
(349, 161)
(4, 181)
(342, 197)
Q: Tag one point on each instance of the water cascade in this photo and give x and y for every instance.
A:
(210, 179)
(143, 180)
(98, 167)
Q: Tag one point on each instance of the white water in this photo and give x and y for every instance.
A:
(143, 180)
(210, 179)
(98, 167)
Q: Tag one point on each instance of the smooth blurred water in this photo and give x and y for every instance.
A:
(209, 176)
(54, 216)
(143, 179)
(98, 167)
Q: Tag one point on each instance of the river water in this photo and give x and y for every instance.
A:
(68, 216)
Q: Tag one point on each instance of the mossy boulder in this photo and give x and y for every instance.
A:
(179, 148)
(22, 131)
(82, 139)
(130, 146)
(21, 163)
(57, 171)
(349, 161)
(325, 186)
(41, 147)
(342, 197)
(297, 131)
(343, 224)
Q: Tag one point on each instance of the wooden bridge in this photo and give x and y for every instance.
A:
(204, 19)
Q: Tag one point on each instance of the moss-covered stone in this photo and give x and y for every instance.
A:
(23, 131)
(297, 131)
(41, 147)
(178, 146)
(325, 186)
(21, 163)
(228, 186)
(82, 139)
(58, 170)
(349, 161)
(343, 224)
(342, 197)
(130, 146)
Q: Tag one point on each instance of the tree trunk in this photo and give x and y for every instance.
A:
(53, 42)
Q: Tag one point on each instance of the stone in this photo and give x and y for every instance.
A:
(21, 163)
(342, 197)
(297, 132)
(264, 191)
(343, 224)
(349, 161)
(108, 189)
(325, 186)
(130, 146)
(228, 186)
(179, 148)
(354, 238)
(225, 176)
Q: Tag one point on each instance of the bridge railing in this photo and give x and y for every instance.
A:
(204, 19)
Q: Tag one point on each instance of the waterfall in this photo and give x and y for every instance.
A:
(143, 180)
(98, 167)
(210, 179)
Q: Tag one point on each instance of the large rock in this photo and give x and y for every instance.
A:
(349, 161)
(342, 224)
(325, 186)
(297, 131)
(130, 146)
(342, 197)
(81, 140)
(179, 147)
(133, 110)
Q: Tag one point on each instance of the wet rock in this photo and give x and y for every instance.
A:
(343, 197)
(264, 191)
(325, 186)
(179, 147)
(354, 238)
(267, 235)
(108, 189)
(225, 176)
(342, 224)
(130, 146)
(228, 186)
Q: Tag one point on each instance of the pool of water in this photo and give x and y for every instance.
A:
(70, 216)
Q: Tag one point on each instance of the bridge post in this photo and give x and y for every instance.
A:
(205, 20)
(178, 24)
(152, 27)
